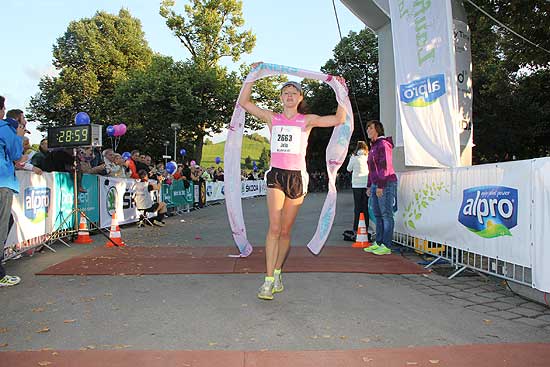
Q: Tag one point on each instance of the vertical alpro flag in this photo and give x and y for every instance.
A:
(425, 76)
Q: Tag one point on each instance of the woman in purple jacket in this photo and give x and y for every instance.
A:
(381, 186)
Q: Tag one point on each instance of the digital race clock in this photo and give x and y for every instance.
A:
(75, 136)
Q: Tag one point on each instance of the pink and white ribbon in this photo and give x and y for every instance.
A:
(335, 156)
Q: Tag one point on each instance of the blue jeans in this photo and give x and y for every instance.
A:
(382, 208)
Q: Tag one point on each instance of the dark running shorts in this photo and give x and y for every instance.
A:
(292, 183)
(152, 209)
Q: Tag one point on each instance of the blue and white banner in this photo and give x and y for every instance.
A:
(426, 83)
(500, 211)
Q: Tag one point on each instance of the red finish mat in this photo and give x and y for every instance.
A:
(487, 355)
(215, 260)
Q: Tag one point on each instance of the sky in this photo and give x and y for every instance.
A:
(300, 33)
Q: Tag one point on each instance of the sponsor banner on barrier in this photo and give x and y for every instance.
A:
(44, 203)
(117, 194)
(483, 209)
(250, 188)
(425, 77)
(88, 201)
(215, 191)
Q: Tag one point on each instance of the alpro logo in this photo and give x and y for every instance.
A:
(423, 92)
(489, 211)
(37, 203)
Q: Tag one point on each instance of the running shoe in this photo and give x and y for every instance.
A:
(278, 283)
(382, 250)
(266, 291)
(372, 247)
(9, 280)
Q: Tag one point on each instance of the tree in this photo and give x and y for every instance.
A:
(92, 56)
(264, 160)
(510, 98)
(356, 59)
(150, 100)
(210, 30)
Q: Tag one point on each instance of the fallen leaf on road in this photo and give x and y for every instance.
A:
(212, 344)
(68, 321)
(3, 345)
(412, 363)
(365, 340)
(108, 294)
(55, 353)
(434, 361)
(343, 337)
(327, 336)
(487, 322)
(44, 363)
(314, 337)
(38, 309)
(3, 330)
(91, 347)
(44, 330)
(367, 359)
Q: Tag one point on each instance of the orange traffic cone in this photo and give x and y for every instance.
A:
(114, 234)
(362, 239)
(83, 233)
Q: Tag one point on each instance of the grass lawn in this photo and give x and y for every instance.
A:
(251, 148)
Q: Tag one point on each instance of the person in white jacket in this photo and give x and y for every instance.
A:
(359, 179)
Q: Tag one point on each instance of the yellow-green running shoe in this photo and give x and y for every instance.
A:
(382, 250)
(278, 283)
(371, 248)
(266, 291)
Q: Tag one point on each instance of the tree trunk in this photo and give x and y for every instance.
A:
(198, 148)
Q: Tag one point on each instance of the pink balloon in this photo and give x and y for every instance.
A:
(123, 129)
(117, 130)
(193, 163)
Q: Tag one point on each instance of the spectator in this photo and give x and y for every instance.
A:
(360, 173)
(18, 117)
(109, 160)
(132, 164)
(118, 167)
(145, 202)
(88, 160)
(219, 174)
(206, 176)
(37, 160)
(11, 149)
(381, 186)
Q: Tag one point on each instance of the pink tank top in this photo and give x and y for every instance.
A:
(289, 142)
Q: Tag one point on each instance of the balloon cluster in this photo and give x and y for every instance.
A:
(116, 130)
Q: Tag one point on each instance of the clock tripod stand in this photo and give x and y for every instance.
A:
(60, 232)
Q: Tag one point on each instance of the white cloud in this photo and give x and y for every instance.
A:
(37, 72)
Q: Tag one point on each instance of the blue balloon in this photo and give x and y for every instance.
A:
(183, 151)
(171, 167)
(218, 160)
(110, 130)
(82, 118)
(126, 155)
(253, 163)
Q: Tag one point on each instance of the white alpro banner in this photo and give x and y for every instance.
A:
(497, 210)
(425, 75)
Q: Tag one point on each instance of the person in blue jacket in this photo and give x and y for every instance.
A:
(11, 150)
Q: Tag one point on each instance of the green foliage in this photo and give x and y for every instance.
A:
(92, 57)
(264, 160)
(356, 59)
(511, 101)
(210, 30)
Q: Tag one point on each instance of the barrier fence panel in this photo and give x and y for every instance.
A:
(481, 217)
(41, 212)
